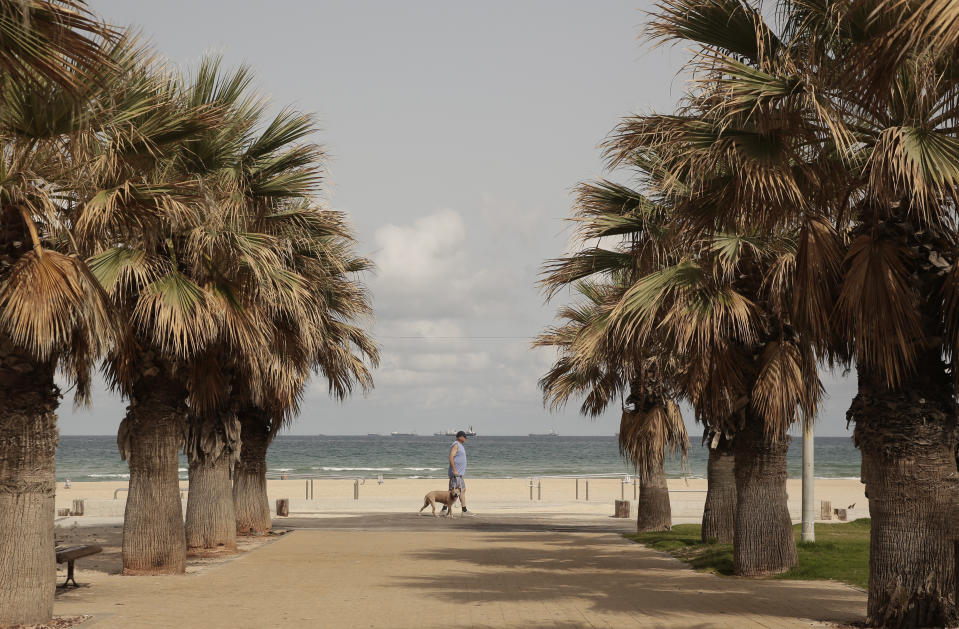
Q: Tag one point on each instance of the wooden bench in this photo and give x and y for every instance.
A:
(69, 554)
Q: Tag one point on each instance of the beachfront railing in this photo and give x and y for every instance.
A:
(535, 483)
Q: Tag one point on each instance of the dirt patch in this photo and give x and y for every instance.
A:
(63, 622)
(110, 538)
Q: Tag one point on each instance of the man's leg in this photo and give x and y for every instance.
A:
(463, 495)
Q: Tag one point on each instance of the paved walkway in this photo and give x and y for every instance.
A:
(449, 575)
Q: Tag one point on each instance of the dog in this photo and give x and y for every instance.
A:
(447, 498)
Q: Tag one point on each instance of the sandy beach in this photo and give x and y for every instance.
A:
(488, 496)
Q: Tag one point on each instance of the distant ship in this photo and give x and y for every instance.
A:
(452, 433)
(402, 434)
(551, 433)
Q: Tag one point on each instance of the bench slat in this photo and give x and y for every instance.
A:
(71, 553)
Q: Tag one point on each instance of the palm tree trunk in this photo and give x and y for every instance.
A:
(908, 440)
(719, 514)
(150, 438)
(212, 444)
(28, 442)
(763, 541)
(653, 510)
(210, 517)
(249, 476)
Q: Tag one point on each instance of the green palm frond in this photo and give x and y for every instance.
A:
(56, 40)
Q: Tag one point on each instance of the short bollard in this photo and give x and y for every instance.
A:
(77, 507)
(283, 507)
(621, 509)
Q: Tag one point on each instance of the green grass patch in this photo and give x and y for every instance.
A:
(840, 552)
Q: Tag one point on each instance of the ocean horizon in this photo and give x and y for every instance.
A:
(96, 458)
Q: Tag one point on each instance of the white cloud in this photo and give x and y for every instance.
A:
(420, 255)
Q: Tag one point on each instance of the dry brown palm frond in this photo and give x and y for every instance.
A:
(814, 280)
(172, 312)
(44, 299)
(786, 384)
(648, 435)
(876, 299)
(212, 434)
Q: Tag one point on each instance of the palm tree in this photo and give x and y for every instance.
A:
(153, 210)
(53, 313)
(593, 364)
(861, 132)
(327, 342)
(715, 302)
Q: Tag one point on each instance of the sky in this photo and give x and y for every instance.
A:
(456, 133)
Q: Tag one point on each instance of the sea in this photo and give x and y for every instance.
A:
(96, 458)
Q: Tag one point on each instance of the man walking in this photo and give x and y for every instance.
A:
(457, 468)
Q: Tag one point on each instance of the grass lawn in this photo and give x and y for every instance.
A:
(840, 552)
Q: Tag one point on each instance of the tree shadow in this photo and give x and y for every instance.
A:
(613, 575)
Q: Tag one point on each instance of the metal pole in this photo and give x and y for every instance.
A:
(311, 489)
(587, 489)
(808, 484)
(636, 490)
(307, 496)
(531, 489)
(356, 490)
(539, 490)
(622, 490)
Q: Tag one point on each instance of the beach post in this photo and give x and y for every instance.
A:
(808, 484)
(311, 489)
(539, 490)
(307, 496)
(577, 489)
(531, 488)
(356, 489)
(587, 489)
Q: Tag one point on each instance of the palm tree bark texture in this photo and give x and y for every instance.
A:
(212, 444)
(719, 513)
(249, 476)
(28, 442)
(653, 510)
(150, 438)
(763, 541)
(908, 439)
